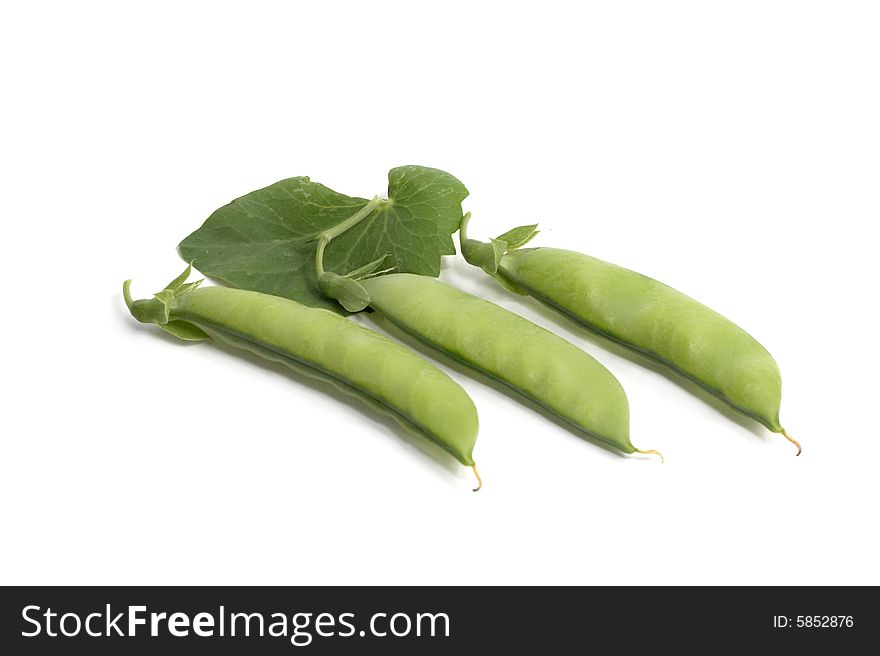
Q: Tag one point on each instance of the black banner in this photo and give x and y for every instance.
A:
(435, 620)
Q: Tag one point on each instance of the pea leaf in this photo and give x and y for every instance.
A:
(264, 241)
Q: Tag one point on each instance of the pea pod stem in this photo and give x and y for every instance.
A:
(126, 294)
(319, 256)
(462, 227)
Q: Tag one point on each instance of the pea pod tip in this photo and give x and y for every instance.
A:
(652, 451)
(479, 480)
(793, 441)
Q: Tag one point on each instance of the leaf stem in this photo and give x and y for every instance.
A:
(326, 236)
(352, 221)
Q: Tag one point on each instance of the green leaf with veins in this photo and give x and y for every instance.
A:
(264, 241)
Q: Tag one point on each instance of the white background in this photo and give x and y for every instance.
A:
(731, 150)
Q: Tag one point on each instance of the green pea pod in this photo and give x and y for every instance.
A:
(652, 318)
(511, 349)
(388, 377)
